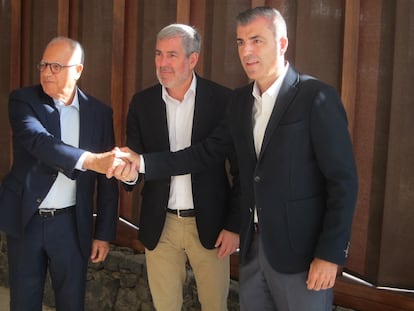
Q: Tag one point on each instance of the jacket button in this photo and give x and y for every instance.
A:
(257, 178)
(38, 200)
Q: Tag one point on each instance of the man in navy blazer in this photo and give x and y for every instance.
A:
(298, 180)
(189, 216)
(47, 199)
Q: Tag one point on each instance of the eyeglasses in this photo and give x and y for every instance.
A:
(54, 67)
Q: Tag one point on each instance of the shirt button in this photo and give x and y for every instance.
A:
(257, 178)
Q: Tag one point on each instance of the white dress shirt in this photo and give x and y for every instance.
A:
(262, 110)
(180, 117)
(63, 191)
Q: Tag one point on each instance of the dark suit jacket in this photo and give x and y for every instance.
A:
(39, 154)
(147, 131)
(304, 182)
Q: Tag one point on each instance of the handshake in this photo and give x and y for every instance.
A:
(121, 163)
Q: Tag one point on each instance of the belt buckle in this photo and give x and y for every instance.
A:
(178, 214)
(50, 212)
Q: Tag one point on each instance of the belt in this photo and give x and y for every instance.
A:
(182, 212)
(52, 212)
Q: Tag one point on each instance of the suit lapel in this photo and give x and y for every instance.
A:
(201, 110)
(159, 110)
(248, 115)
(86, 121)
(51, 114)
(286, 95)
(244, 102)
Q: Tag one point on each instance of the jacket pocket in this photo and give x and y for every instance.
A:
(305, 218)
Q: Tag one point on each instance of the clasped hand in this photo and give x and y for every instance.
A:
(121, 163)
(125, 165)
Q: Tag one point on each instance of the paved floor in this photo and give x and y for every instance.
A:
(4, 300)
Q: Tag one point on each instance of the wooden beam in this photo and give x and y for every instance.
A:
(118, 45)
(356, 296)
(63, 18)
(350, 59)
(15, 44)
(255, 3)
(183, 11)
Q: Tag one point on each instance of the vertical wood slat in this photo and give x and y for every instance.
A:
(255, 3)
(130, 78)
(15, 52)
(63, 18)
(183, 11)
(117, 72)
(367, 130)
(15, 44)
(198, 19)
(350, 59)
(25, 44)
(74, 19)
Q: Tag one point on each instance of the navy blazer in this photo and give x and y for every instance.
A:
(147, 131)
(38, 156)
(304, 181)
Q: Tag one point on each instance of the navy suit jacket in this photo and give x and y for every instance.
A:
(147, 131)
(38, 156)
(303, 183)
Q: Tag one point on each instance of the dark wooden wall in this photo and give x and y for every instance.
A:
(365, 48)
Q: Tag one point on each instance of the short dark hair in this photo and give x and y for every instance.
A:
(276, 20)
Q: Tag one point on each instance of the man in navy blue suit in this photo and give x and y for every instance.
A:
(298, 179)
(47, 200)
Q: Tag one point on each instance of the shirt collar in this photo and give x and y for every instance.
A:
(75, 102)
(273, 90)
(190, 92)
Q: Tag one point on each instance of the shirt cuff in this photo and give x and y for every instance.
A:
(141, 165)
(79, 164)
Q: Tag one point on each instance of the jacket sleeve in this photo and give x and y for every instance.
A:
(33, 136)
(196, 158)
(332, 146)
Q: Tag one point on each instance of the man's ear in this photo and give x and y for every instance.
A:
(193, 59)
(283, 45)
(79, 69)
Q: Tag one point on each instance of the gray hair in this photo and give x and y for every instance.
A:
(191, 39)
(276, 21)
(75, 46)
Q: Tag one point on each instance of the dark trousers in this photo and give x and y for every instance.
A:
(48, 243)
(262, 288)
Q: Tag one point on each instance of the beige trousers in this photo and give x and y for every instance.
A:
(166, 266)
